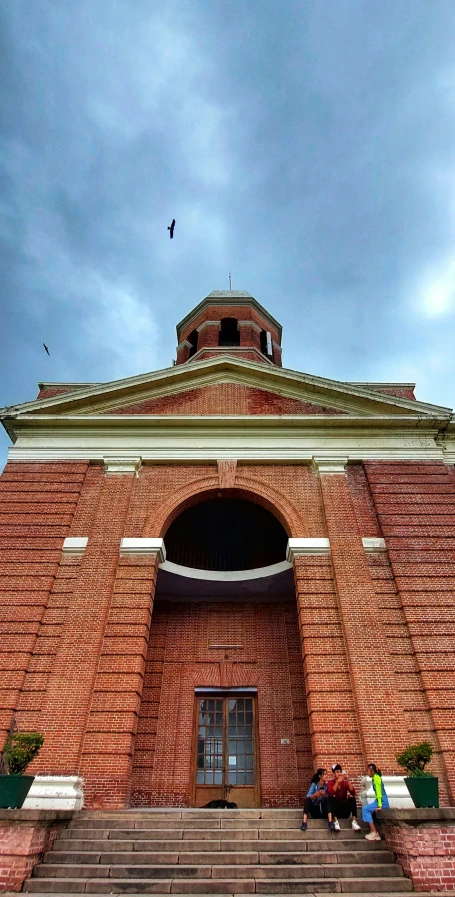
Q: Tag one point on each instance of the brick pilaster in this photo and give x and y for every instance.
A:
(378, 707)
(69, 692)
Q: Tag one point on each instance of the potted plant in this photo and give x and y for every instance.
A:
(20, 749)
(422, 786)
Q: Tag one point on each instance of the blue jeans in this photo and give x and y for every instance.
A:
(368, 809)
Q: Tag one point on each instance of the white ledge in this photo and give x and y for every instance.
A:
(144, 546)
(298, 547)
(122, 465)
(373, 544)
(75, 545)
(330, 464)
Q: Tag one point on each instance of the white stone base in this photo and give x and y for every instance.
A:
(396, 790)
(55, 793)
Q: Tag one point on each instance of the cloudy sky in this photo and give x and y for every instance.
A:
(305, 146)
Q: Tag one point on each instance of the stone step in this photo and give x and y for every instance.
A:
(219, 857)
(316, 832)
(192, 813)
(305, 842)
(248, 870)
(225, 821)
(280, 888)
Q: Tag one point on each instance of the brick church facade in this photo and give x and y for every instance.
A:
(219, 576)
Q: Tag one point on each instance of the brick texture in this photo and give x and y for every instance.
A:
(22, 846)
(426, 853)
(415, 505)
(359, 663)
(224, 398)
(180, 658)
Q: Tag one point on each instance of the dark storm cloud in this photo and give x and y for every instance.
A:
(307, 147)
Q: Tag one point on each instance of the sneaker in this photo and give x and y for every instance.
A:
(373, 836)
(304, 827)
(337, 826)
(355, 825)
(331, 826)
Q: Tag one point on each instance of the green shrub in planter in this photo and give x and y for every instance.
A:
(20, 749)
(422, 785)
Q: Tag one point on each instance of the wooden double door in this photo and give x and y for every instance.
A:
(225, 750)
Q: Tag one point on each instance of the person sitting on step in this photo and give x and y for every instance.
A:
(342, 798)
(317, 801)
(382, 801)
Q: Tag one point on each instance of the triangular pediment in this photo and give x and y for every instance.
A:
(226, 386)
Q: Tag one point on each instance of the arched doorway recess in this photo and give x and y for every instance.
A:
(223, 712)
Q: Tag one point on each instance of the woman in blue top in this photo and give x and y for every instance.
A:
(382, 801)
(317, 801)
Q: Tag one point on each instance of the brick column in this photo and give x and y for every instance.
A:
(69, 692)
(112, 728)
(332, 717)
(378, 708)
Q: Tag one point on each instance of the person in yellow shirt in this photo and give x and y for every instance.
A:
(382, 801)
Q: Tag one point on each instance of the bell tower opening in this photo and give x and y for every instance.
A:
(229, 332)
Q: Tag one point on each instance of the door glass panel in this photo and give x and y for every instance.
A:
(210, 741)
(225, 742)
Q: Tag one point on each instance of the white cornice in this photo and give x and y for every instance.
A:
(256, 374)
(164, 439)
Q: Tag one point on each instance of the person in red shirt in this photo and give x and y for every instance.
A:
(342, 798)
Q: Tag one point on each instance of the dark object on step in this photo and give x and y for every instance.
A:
(219, 805)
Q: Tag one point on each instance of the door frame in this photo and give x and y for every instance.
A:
(235, 692)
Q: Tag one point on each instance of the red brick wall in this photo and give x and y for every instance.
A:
(415, 504)
(426, 853)
(179, 659)
(76, 630)
(38, 502)
(23, 843)
(224, 398)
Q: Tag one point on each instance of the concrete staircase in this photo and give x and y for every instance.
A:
(212, 852)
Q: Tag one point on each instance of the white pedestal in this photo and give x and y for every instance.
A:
(55, 793)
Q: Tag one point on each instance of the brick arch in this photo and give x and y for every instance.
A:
(209, 487)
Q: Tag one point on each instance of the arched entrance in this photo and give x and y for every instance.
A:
(223, 712)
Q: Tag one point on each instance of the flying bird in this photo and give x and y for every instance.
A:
(47, 350)
(171, 229)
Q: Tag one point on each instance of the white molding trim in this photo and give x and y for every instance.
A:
(329, 464)
(299, 547)
(208, 324)
(75, 545)
(396, 790)
(143, 546)
(373, 544)
(225, 575)
(268, 438)
(122, 465)
(251, 324)
(55, 793)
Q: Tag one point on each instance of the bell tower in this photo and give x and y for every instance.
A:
(229, 322)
